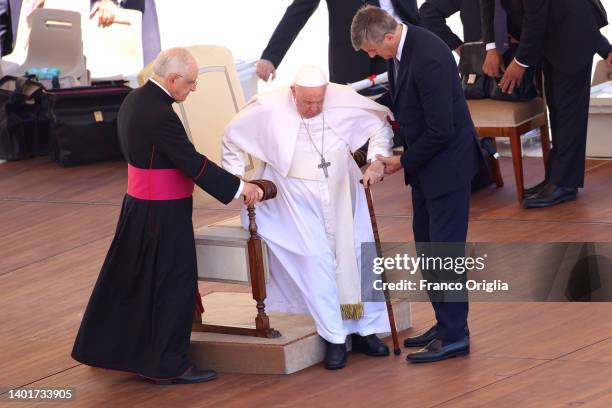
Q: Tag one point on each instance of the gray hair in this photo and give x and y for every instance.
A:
(172, 60)
(370, 25)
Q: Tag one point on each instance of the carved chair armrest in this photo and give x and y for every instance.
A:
(268, 188)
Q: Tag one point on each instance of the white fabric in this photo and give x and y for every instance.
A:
(400, 46)
(311, 77)
(299, 225)
(272, 120)
(160, 85)
(388, 7)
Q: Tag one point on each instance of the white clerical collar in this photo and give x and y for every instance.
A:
(400, 47)
(158, 84)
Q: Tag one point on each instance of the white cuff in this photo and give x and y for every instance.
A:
(522, 65)
(239, 192)
(491, 46)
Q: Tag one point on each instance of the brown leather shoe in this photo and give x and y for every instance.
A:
(191, 376)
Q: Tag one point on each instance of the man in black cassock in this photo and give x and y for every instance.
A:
(138, 318)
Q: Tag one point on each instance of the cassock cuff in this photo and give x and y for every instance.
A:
(239, 192)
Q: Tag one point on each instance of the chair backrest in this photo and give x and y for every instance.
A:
(206, 112)
(55, 40)
(80, 6)
(116, 49)
(602, 73)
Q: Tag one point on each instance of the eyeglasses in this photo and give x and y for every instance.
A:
(190, 83)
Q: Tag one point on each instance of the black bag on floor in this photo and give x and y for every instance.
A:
(484, 177)
(24, 126)
(83, 127)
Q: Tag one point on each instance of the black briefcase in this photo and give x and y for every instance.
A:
(24, 127)
(83, 124)
(474, 82)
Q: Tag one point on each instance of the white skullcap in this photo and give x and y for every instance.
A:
(310, 76)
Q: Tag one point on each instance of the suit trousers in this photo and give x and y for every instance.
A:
(567, 96)
(443, 221)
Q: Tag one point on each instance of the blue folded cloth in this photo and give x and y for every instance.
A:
(44, 72)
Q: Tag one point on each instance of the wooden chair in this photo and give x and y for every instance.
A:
(231, 238)
(512, 119)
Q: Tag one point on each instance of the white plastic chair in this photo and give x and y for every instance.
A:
(55, 41)
(115, 51)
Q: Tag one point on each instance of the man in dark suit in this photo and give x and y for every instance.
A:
(440, 153)
(345, 66)
(562, 35)
(435, 12)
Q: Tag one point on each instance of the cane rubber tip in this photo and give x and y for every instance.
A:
(397, 352)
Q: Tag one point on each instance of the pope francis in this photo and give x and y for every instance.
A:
(304, 135)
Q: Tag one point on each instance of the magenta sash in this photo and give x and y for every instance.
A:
(158, 184)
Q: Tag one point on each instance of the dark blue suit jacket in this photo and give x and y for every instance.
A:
(441, 152)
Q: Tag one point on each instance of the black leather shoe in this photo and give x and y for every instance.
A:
(550, 195)
(422, 339)
(535, 189)
(191, 376)
(335, 355)
(427, 337)
(435, 351)
(370, 345)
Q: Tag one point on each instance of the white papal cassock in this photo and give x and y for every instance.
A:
(315, 226)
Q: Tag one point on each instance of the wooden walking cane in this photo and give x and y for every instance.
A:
(396, 348)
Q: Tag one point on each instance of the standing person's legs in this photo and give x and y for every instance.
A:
(569, 100)
(449, 216)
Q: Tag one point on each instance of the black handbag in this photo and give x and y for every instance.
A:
(83, 124)
(477, 85)
(474, 82)
(525, 92)
(24, 125)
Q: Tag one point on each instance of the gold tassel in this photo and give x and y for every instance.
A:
(352, 312)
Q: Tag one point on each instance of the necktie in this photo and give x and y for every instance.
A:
(395, 68)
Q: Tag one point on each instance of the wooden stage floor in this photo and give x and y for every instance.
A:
(56, 225)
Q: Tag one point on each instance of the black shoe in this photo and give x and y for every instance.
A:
(535, 189)
(191, 376)
(335, 355)
(550, 195)
(370, 345)
(424, 339)
(435, 351)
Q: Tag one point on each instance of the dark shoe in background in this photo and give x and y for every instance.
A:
(535, 189)
(191, 376)
(550, 195)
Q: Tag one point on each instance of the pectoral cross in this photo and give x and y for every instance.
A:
(324, 165)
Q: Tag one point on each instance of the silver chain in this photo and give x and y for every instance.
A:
(322, 135)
